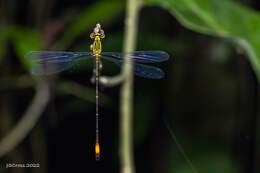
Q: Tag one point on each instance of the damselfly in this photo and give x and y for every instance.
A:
(50, 62)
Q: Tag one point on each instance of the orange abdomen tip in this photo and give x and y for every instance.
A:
(97, 151)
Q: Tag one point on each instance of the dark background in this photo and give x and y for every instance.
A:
(209, 97)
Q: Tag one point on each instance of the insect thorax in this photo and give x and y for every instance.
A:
(96, 47)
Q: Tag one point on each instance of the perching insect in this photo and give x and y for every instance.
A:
(50, 62)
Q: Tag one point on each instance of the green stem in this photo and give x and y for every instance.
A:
(126, 107)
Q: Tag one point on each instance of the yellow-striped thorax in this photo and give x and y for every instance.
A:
(97, 35)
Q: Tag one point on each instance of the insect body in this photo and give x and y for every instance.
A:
(96, 49)
(51, 62)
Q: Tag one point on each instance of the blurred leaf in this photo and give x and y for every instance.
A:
(100, 12)
(220, 51)
(24, 41)
(220, 18)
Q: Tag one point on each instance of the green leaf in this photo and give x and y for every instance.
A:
(24, 41)
(100, 12)
(223, 18)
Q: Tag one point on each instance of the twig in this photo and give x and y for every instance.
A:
(126, 143)
(111, 81)
(28, 120)
(62, 87)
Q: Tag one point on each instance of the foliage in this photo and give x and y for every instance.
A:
(88, 18)
(223, 18)
(209, 95)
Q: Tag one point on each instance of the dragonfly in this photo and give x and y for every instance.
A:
(51, 62)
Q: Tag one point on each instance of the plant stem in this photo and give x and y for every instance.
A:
(126, 107)
(28, 120)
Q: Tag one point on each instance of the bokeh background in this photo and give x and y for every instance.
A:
(208, 99)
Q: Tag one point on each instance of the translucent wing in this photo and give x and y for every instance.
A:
(140, 69)
(51, 68)
(50, 62)
(54, 56)
(142, 56)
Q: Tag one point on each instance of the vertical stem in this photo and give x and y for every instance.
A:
(126, 107)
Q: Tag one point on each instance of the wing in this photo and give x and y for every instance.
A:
(50, 62)
(141, 56)
(140, 69)
(51, 68)
(54, 56)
